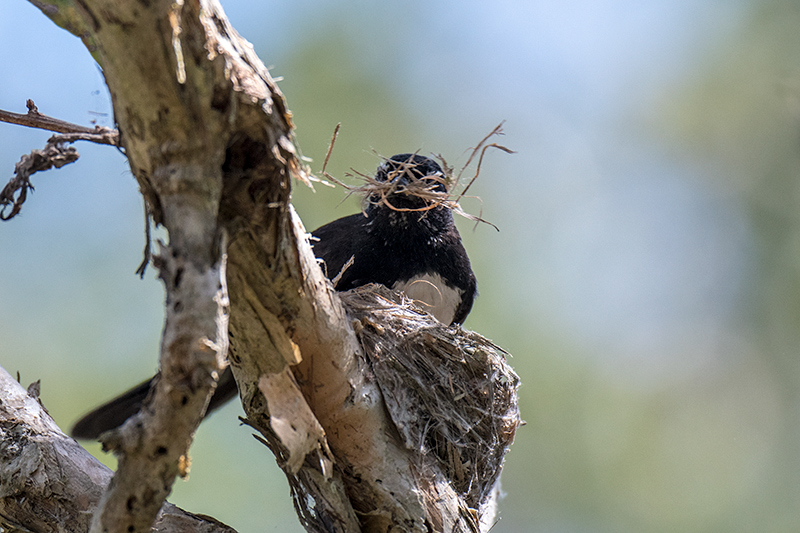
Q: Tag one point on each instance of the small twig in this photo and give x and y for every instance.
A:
(498, 130)
(338, 277)
(478, 168)
(310, 178)
(330, 147)
(380, 191)
(54, 154)
(34, 119)
(147, 253)
(327, 157)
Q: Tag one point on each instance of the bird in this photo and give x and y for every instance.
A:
(404, 238)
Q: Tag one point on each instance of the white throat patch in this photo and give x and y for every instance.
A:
(432, 294)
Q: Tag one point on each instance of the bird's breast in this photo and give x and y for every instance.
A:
(433, 294)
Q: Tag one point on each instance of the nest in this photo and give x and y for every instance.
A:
(450, 392)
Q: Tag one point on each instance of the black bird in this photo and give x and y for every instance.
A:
(405, 239)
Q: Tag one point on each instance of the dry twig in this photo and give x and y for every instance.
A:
(381, 191)
(49, 482)
(54, 154)
(34, 119)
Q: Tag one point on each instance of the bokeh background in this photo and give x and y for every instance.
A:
(646, 277)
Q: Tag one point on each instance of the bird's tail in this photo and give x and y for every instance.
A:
(114, 413)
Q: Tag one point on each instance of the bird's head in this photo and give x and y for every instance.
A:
(407, 183)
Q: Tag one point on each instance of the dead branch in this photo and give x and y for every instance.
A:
(34, 119)
(56, 154)
(15, 192)
(174, 131)
(49, 483)
(209, 140)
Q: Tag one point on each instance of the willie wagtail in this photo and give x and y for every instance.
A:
(405, 239)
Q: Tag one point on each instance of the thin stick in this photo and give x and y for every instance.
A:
(480, 161)
(34, 119)
(335, 280)
(330, 147)
(147, 254)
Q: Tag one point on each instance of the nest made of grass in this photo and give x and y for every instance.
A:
(450, 392)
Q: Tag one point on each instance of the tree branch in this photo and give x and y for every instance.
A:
(174, 130)
(15, 192)
(34, 119)
(209, 140)
(49, 483)
(55, 154)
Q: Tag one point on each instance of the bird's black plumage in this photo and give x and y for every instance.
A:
(401, 240)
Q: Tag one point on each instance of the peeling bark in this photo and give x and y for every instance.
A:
(49, 483)
(209, 140)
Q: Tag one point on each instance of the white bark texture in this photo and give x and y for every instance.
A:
(49, 483)
(381, 418)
